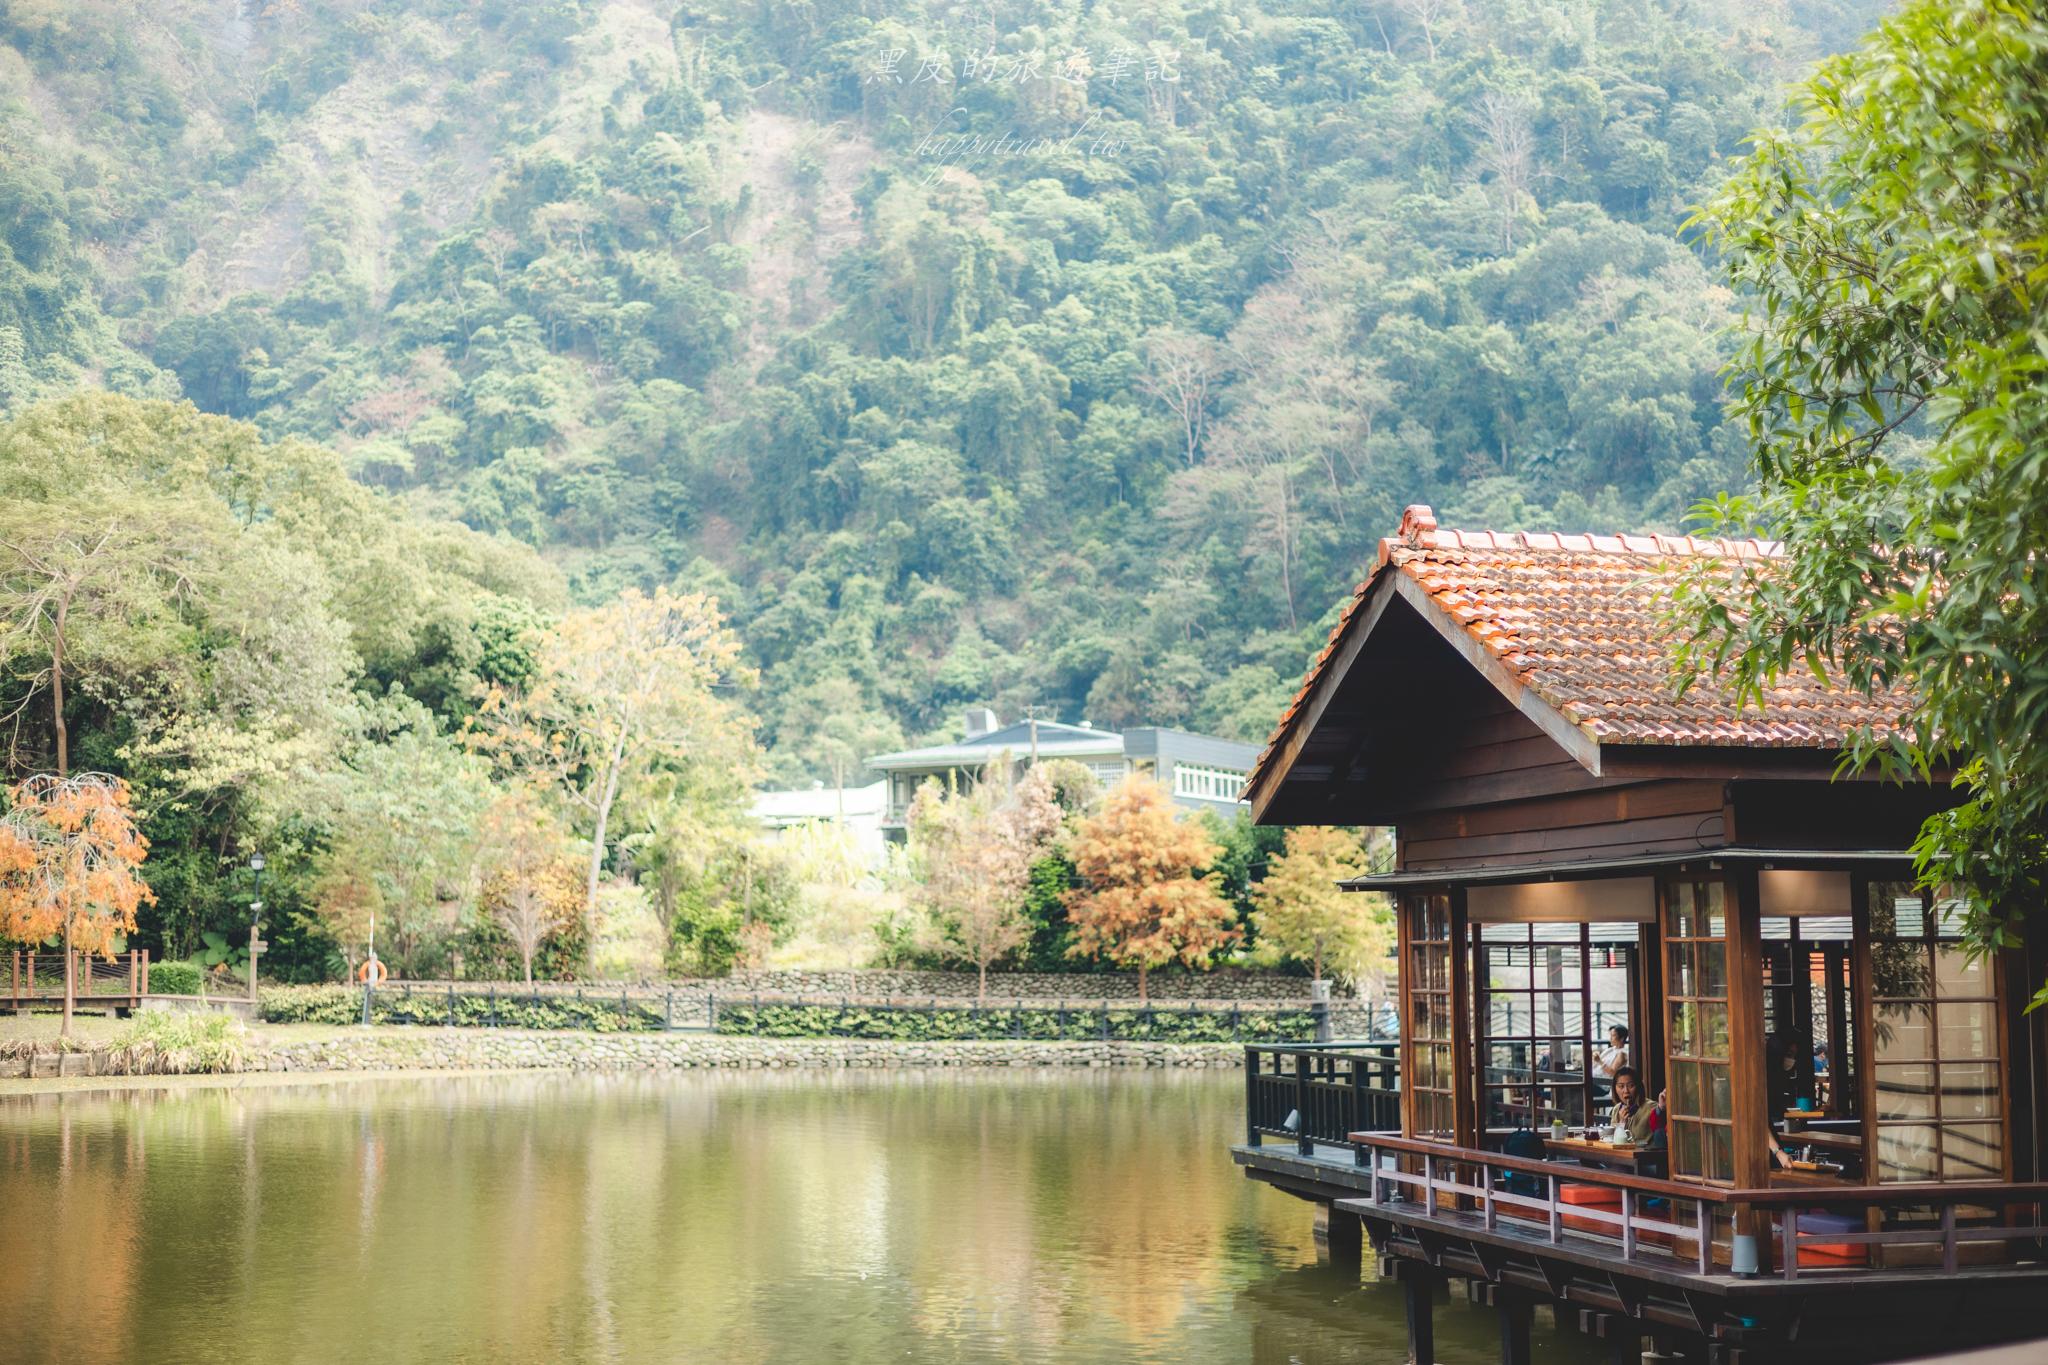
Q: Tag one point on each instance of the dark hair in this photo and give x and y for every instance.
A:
(1622, 1029)
(1629, 1072)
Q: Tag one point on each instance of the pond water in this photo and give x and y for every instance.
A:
(911, 1216)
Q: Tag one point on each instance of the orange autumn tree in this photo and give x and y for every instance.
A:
(69, 860)
(1145, 897)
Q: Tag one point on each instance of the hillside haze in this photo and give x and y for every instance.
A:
(1052, 354)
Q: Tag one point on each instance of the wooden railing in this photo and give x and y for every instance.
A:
(1451, 1183)
(1321, 1093)
(38, 978)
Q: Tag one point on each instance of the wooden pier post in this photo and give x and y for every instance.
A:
(1514, 1309)
(1418, 1288)
(1340, 1238)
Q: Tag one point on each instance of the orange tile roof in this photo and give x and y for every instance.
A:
(1577, 619)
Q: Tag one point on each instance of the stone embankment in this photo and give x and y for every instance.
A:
(388, 1048)
(443, 1049)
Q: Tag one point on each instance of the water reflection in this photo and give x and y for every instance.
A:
(1013, 1216)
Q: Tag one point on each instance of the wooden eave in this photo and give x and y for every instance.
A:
(1596, 764)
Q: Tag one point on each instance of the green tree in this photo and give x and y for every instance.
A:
(621, 688)
(399, 815)
(1895, 387)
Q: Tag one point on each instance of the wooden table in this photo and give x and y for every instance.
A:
(1636, 1159)
(1821, 1138)
(1795, 1178)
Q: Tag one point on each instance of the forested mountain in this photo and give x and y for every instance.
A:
(1029, 352)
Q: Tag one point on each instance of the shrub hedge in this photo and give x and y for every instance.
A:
(173, 978)
(333, 1004)
(947, 1023)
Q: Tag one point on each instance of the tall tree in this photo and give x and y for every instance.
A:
(1895, 384)
(530, 885)
(70, 860)
(621, 687)
(1182, 373)
(1302, 912)
(399, 814)
(974, 852)
(1146, 896)
(69, 571)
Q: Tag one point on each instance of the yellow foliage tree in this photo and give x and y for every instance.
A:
(622, 686)
(1299, 910)
(531, 887)
(1145, 899)
(69, 860)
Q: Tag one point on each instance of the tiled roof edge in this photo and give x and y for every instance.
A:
(1565, 543)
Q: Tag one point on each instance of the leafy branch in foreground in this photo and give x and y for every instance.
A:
(1893, 248)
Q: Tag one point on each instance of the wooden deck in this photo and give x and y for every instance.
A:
(1627, 1281)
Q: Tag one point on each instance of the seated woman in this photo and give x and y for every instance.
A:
(1608, 1061)
(1643, 1119)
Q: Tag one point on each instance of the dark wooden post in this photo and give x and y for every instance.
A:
(1750, 1087)
(1251, 1098)
(1464, 1100)
(1404, 911)
(1418, 1290)
(1513, 1309)
(1304, 1141)
(1340, 1237)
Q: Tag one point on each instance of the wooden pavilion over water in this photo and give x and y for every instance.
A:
(1852, 1158)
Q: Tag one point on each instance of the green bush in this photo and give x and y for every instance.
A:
(182, 1041)
(952, 1023)
(173, 978)
(595, 1013)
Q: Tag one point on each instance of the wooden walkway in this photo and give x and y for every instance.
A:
(36, 980)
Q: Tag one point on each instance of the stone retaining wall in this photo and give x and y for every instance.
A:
(442, 1049)
(393, 1049)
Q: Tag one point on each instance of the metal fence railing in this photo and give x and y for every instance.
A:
(1041, 1021)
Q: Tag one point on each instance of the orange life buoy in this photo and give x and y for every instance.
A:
(372, 972)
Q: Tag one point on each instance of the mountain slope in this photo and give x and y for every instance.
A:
(1038, 353)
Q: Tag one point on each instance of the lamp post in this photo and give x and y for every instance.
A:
(256, 945)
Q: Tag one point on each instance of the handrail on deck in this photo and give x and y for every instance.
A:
(1320, 1093)
(33, 978)
(1491, 1195)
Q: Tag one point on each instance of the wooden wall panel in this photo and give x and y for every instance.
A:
(1662, 817)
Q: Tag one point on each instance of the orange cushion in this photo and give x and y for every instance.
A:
(1826, 1253)
(1595, 1196)
(1833, 1253)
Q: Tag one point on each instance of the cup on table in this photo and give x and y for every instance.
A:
(1804, 1104)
